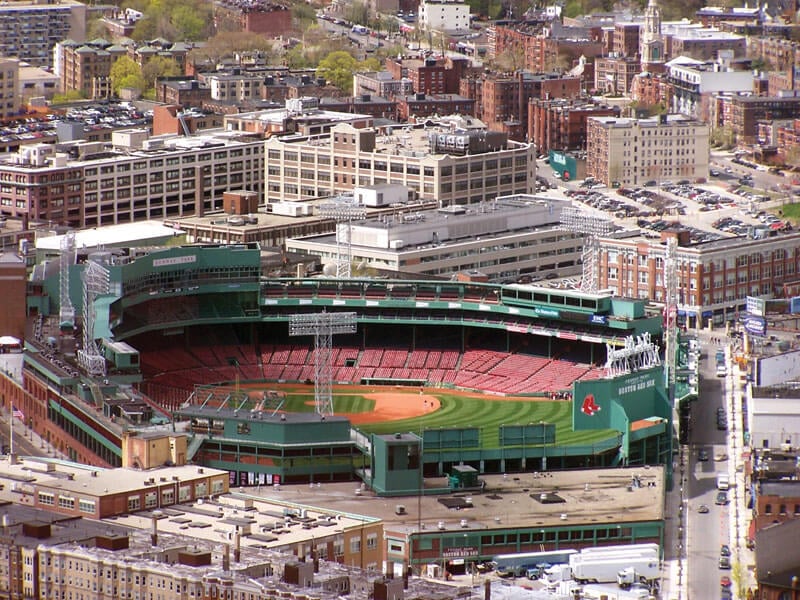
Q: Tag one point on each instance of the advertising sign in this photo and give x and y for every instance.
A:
(755, 325)
(755, 306)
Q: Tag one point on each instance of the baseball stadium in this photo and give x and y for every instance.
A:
(427, 379)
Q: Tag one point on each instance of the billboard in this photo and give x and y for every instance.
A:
(755, 306)
(755, 325)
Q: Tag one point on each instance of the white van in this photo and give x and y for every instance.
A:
(723, 481)
(722, 370)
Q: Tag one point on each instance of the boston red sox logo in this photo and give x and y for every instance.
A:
(589, 406)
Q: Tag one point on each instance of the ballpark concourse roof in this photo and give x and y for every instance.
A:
(144, 233)
(592, 497)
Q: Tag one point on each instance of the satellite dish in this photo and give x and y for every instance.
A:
(329, 270)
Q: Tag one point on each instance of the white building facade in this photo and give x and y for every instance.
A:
(444, 15)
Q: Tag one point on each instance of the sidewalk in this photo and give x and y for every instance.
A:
(740, 515)
(675, 568)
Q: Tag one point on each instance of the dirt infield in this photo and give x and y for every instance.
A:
(392, 406)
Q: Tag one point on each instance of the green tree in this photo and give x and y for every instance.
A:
(338, 68)
(159, 66)
(228, 43)
(303, 15)
(126, 73)
(189, 24)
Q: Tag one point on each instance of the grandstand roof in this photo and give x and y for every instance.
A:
(592, 497)
(247, 415)
(144, 233)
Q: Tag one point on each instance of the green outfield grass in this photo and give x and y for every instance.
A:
(457, 411)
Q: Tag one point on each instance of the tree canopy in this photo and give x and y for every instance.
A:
(125, 73)
(176, 20)
(338, 68)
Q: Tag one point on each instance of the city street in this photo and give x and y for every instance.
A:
(706, 532)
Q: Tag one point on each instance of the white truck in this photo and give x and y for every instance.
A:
(629, 576)
(604, 569)
(723, 481)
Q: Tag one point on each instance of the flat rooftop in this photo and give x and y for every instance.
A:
(590, 497)
(84, 479)
(266, 523)
(113, 235)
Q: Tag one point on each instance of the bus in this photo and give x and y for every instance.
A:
(529, 564)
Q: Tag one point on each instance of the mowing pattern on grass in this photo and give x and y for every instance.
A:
(457, 410)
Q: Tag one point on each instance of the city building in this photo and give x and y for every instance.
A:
(135, 179)
(263, 17)
(705, 44)
(9, 87)
(86, 67)
(775, 568)
(456, 161)
(508, 237)
(715, 277)
(302, 116)
(36, 82)
(381, 83)
(443, 15)
(13, 272)
(376, 107)
(183, 91)
(614, 75)
(626, 38)
(561, 124)
(715, 16)
(694, 83)
(742, 112)
(431, 75)
(419, 106)
(542, 53)
(171, 119)
(32, 29)
(630, 152)
(502, 100)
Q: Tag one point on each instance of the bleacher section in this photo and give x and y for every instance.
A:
(171, 374)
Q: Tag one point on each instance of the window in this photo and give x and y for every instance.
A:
(46, 498)
(134, 503)
(67, 502)
(86, 506)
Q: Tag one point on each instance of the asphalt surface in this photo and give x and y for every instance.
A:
(706, 532)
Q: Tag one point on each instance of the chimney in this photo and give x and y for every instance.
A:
(487, 590)
(237, 551)
(154, 531)
(315, 559)
(226, 558)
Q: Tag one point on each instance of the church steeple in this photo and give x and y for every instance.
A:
(651, 44)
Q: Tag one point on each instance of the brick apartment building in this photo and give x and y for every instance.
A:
(86, 68)
(182, 91)
(544, 54)
(743, 112)
(715, 277)
(632, 152)
(502, 101)
(431, 75)
(422, 105)
(261, 16)
(560, 124)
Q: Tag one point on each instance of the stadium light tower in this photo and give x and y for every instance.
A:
(671, 284)
(322, 326)
(66, 312)
(344, 210)
(95, 283)
(593, 228)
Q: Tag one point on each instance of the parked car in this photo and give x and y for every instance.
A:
(702, 456)
(722, 498)
(725, 563)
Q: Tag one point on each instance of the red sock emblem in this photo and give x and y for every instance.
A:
(589, 406)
